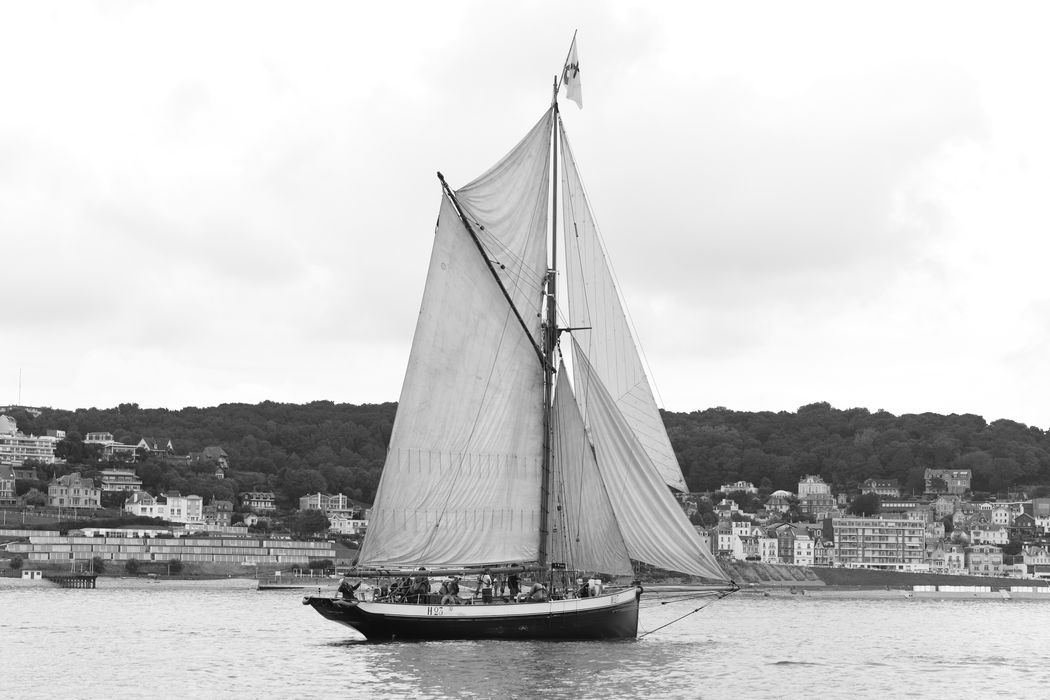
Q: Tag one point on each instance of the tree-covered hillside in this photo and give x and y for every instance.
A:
(846, 447)
(288, 448)
(339, 448)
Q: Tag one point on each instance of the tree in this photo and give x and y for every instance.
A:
(132, 566)
(98, 565)
(16, 562)
(113, 499)
(1014, 546)
(34, 497)
(308, 522)
(174, 566)
(865, 505)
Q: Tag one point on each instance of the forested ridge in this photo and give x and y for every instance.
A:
(295, 449)
(845, 447)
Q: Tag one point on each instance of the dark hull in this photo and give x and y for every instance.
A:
(614, 618)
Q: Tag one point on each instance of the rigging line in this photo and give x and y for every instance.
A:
(524, 280)
(495, 275)
(507, 258)
(694, 595)
(691, 612)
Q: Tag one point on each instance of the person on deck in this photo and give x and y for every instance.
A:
(420, 588)
(346, 590)
(537, 594)
(514, 585)
(486, 586)
(450, 591)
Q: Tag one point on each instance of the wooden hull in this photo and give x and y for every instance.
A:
(611, 616)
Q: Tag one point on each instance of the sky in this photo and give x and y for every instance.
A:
(217, 202)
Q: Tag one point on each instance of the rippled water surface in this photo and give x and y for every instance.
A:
(137, 641)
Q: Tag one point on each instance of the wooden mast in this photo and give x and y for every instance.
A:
(550, 340)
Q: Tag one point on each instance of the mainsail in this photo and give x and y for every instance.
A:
(461, 481)
(608, 344)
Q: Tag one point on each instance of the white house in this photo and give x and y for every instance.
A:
(990, 534)
(347, 526)
(172, 507)
(767, 549)
(803, 550)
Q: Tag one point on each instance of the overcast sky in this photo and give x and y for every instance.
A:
(215, 202)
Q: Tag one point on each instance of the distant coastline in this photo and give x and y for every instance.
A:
(772, 576)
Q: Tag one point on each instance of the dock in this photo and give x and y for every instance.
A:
(73, 580)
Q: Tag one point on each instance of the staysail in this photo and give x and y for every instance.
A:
(584, 530)
(461, 481)
(653, 526)
(594, 303)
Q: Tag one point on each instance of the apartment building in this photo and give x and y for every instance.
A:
(875, 543)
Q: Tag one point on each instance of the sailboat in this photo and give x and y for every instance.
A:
(497, 459)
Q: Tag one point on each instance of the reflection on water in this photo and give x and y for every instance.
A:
(154, 642)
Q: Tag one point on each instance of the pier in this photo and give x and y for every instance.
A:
(73, 580)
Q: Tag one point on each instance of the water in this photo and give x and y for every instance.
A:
(134, 640)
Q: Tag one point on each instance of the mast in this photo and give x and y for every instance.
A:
(550, 339)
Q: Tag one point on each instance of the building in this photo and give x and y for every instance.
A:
(157, 446)
(184, 509)
(876, 543)
(767, 550)
(144, 504)
(17, 447)
(817, 506)
(785, 535)
(111, 449)
(745, 486)
(946, 505)
(71, 491)
(823, 552)
(813, 485)
(946, 558)
(146, 546)
(26, 470)
(1003, 515)
(260, 501)
(906, 508)
(726, 508)
(984, 559)
(884, 488)
(804, 552)
(218, 513)
(990, 534)
(215, 456)
(338, 503)
(1026, 527)
(779, 501)
(119, 480)
(1036, 561)
(7, 487)
(954, 481)
(171, 506)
